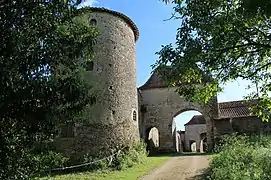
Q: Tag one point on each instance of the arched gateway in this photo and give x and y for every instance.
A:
(160, 104)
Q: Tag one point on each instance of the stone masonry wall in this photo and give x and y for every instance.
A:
(192, 132)
(113, 120)
(162, 105)
(222, 126)
(249, 124)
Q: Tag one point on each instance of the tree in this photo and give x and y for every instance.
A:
(223, 40)
(41, 78)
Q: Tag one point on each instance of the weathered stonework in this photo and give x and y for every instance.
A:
(193, 132)
(153, 139)
(249, 124)
(124, 113)
(114, 81)
(162, 105)
(113, 120)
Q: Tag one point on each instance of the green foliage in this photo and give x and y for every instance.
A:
(242, 157)
(41, 78)
(223, 41)
(135, 172)
(128, 156)
(131, 155)
(44, 162)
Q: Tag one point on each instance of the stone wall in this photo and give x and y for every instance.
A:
(162, 105)
(113, 120)
(250, 124)
(153, 138)
(247, 124)
(222, 126)
(140, 115)
(193, 132)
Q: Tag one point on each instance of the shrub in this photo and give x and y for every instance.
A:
(132, 154)
(242, 157)
(31, 164)
(124, 157)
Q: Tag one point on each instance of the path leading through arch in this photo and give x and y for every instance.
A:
(181, 168)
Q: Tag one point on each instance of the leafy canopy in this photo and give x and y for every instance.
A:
(223, 40)
(41, 78)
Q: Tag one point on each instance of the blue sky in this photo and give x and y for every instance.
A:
(150, 16)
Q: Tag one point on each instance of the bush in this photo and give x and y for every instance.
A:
(31, 164)
(124, 157)
(130, 155)
(242, 157)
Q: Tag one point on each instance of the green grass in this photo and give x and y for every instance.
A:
(132, 173)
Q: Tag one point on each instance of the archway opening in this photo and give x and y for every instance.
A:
(192, 146)
(203, 142)
(152, 140)
(189, 125)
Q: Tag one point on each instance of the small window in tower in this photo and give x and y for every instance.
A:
(67, 130)
(134, 115)
(90, 66)
(92, 22)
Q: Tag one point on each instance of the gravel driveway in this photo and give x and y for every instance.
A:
(180, 168)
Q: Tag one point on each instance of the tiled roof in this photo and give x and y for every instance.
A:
(227, 110)
(197, 119)
(115, 13)
(155, 81)
(235, 108)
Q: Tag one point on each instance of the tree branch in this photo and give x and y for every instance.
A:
(243, 45)
(172, 16)
(256, 71)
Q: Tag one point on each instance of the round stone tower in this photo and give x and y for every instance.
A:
(113, 120)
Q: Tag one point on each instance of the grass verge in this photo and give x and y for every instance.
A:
(132, 173)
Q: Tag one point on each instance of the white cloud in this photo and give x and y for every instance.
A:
(88, 3)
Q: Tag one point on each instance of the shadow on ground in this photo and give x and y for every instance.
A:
(159, 154)
(194, 154)
(203, 175)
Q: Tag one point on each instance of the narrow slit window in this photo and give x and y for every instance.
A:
(67, 130)
(90, 66)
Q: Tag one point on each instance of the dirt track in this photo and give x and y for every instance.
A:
(180, 168)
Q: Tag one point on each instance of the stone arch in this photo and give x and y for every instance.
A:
(188, 109)
(163, 103)
(193, 127)
(192, 146)
(152, 139)
(203, 142)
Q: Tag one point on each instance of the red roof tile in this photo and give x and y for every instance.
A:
(227, 110)
(235, 108)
